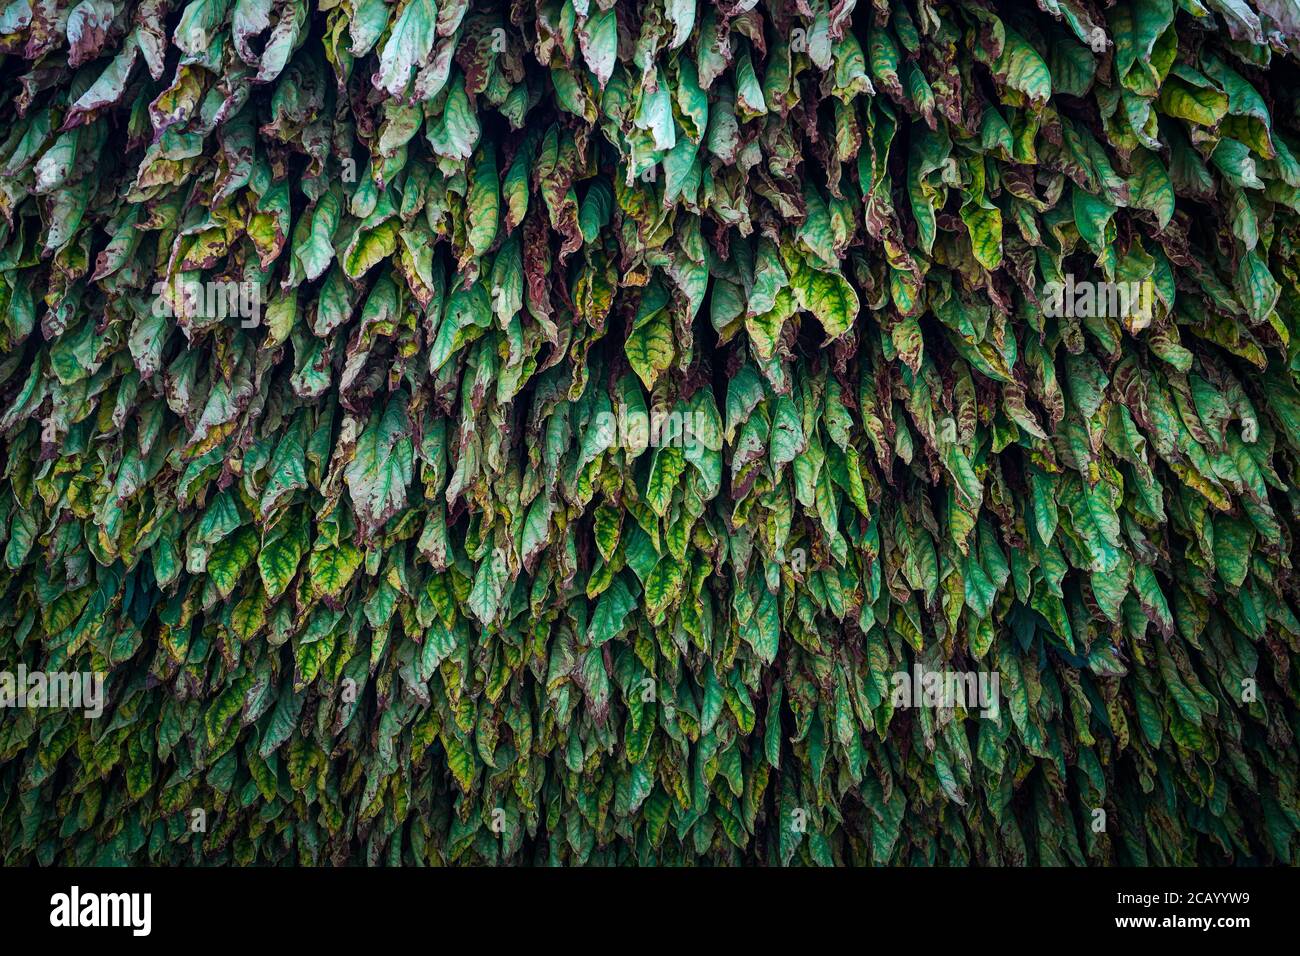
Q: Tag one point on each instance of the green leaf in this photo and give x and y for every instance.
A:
(382, 467)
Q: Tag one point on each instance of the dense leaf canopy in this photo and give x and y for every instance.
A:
(314, 315)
